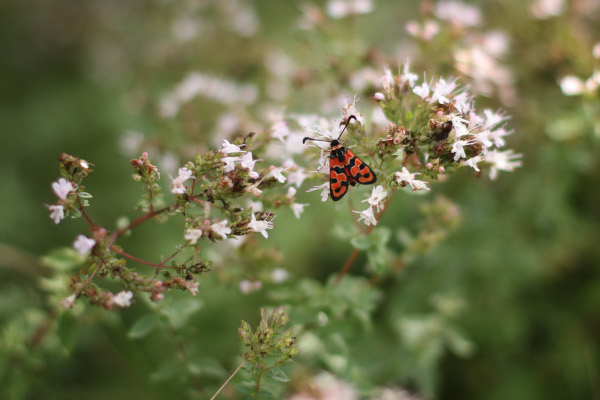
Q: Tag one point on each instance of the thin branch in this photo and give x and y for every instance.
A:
(354, 255)
(116, 250)
(92, 225)
(227, 381)
(139, 220)
(96, 270)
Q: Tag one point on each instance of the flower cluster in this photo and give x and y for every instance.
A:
(269, 346)
(210, 184)
(433, 129)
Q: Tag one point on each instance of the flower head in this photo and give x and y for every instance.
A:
(221, 228)
(62, 188)
(377, 196)
(192, 235)
(123, 299)
(324, 190)
(502, 161)
(368, 216)
(177, 185)
(227, 148)
(57, 213)
(67, 302)
(260, 226)
(84, 244)
(405, 177)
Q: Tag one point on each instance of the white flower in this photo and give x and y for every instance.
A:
(247, 162)
(377, 196)
(342, 8)
(277, 174)
(350, 109)
(503, 161)
(177, 184)
(83, 244)
(441, 91)
(260, 226)
(247, 286)
(62, 188)
(229, 163)
(297, 177)
(193, 287)
(280, 130)
(458, 13)
(123, 299)
(543, 9)
(279, 275)
(484, 137)
(67, 302)
(387, 81)
(472, 162)
(429, 29)
(298, 209)
(192, 235)
(492, 119)
(221, 228)
(405, 176)
(324, 190)
(368, 216)
(326, 386)
(254, 189)
(57, 213)
(571, 85)
(422, 91)
(458, 149)
(498, 137)
(408, 76)
(459, 125)
(227, 148)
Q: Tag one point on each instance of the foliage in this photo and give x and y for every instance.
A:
(440, 284)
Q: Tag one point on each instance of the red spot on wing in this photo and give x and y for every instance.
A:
(338, 180)
(358, 170)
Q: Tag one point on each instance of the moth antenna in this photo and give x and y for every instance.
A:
(315, 140)
(345, 126)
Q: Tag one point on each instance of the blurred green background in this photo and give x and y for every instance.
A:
(524, 262)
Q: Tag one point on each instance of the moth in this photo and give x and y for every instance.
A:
(345, 168)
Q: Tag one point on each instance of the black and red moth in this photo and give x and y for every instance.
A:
(345, 168)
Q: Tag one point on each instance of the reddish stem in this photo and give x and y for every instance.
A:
(139, 220)
(121, 252)
(96, 270)
(354, 255)
(92, 225)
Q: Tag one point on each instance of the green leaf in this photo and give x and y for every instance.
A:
(180, 311)
(143, 326)
(278, 375)
(245, 387)
(68, 330)
(85, 195)
(63, 259)
(361, 242)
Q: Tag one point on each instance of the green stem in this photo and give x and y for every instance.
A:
(258, 380)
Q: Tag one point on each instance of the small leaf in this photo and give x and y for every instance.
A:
(85, 195)
(68, 330)
(245, 387)
(142, 327)
(63, 259)
(361, 242)
(278, 375)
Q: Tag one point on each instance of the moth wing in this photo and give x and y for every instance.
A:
(338, 179)
(358, 171)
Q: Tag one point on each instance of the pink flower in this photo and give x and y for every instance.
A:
(62, 188)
